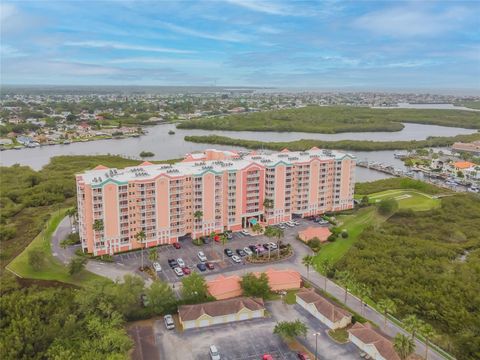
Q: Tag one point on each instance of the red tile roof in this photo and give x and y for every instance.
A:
(319, 232)
(369, 336)
(326, 308)
(219, 308)
(225, 287)
(463, 164)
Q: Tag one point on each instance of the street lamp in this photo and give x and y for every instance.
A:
(316, 343)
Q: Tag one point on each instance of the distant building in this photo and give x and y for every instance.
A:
(372, 342)
(328, 313)
(473, 147)
(220, 312)
(24, 140)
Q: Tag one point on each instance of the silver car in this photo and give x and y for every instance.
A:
(169, 323)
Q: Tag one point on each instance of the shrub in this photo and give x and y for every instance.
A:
(36, 259)
(387, 207)
(344, 233)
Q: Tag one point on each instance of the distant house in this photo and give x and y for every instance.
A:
(330, 314)
(473, 147)
(372, 342)
(224, 287)
(462, 165)
(321, 233)
(220, 312)
(5, 142)
(24, 140)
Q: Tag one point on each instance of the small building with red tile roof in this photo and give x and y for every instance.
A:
(220, 312)
(462, 165)
(312, 232)
(378, 346)
(328, 313)
(224, 287)
(280, 279)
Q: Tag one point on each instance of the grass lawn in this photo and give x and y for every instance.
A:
(52, 269)
(354, 223)
(339, 335)
(408, 199)
(290, 298)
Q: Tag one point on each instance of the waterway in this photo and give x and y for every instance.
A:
(166, 146)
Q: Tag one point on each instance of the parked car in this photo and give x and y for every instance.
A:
(202, 267)
(229, 235)
(253, 248)
(172, 263)
(206, 240)
(282, 226)
(157, 266)
(290, 224)
(178, 271)
(186, 270)
(202, 256)
(214, 354)
(303, 356)
(247, 251)
(180, 262)
(177, 245)
(272, 246)
(169, 323)
(240, 252)
(236, 259)
(296, 222)
(245, 233)
(267, 357)
(228, 252)
(210, 266)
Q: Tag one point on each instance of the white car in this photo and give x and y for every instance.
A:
(214, 354)
(178, 271)
(247, 251)
(157, 266)
(169, 323)
(290, 224)
(202, 256)
(245, 233)
(236, 259)
(282, 226)
(180, 262)
(272, 246)
(296, 222)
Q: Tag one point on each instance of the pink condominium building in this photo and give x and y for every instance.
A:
(207, 192)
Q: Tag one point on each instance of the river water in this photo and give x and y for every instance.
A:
(166, 146)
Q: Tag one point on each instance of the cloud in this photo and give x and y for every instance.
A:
(411, 21)
(165, 61)
(123, 46)
(262, 6)
(7, 51)
(227, 36)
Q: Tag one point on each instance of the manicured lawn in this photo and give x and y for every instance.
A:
(339, 335)
(354, 224)
(408, 199)
(290, 298)
(52, 269)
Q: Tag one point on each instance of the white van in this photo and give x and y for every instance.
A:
(214, 354)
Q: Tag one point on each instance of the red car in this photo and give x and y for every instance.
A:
(210, 266)
(267, 357)
(177, 245)
(216, 238)
(186, 270)
(303, 356)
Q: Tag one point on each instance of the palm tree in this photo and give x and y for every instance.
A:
(270, 232)
(98, 225)
(412, 324)
(70, 213)
(141, 237)
(257, 228)
(198, 215)
(404, 346)
(363, 292)
(279, 234)
(153, 255)
(386, 306)
(307, 261)
(223, 240)
(346, 279)
(428, 332)
(324, 268)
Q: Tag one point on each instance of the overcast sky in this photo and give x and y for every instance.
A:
(328, 44)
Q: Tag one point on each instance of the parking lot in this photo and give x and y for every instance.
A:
(213, 251)
(251, 339)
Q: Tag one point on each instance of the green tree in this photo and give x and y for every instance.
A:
(153, 255)
(365, 200)
(255, 286)
(345, 279)
(161, 298)
(404, 346)
(141, 237)
(386, 306)
(194, 289)
(428, 333)
(36, 259)
(76, 265)
(289, 330)
(307, 261)
(387, 207)
(324, 268)
(363, 292)
(412, 324)
(257, 228)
